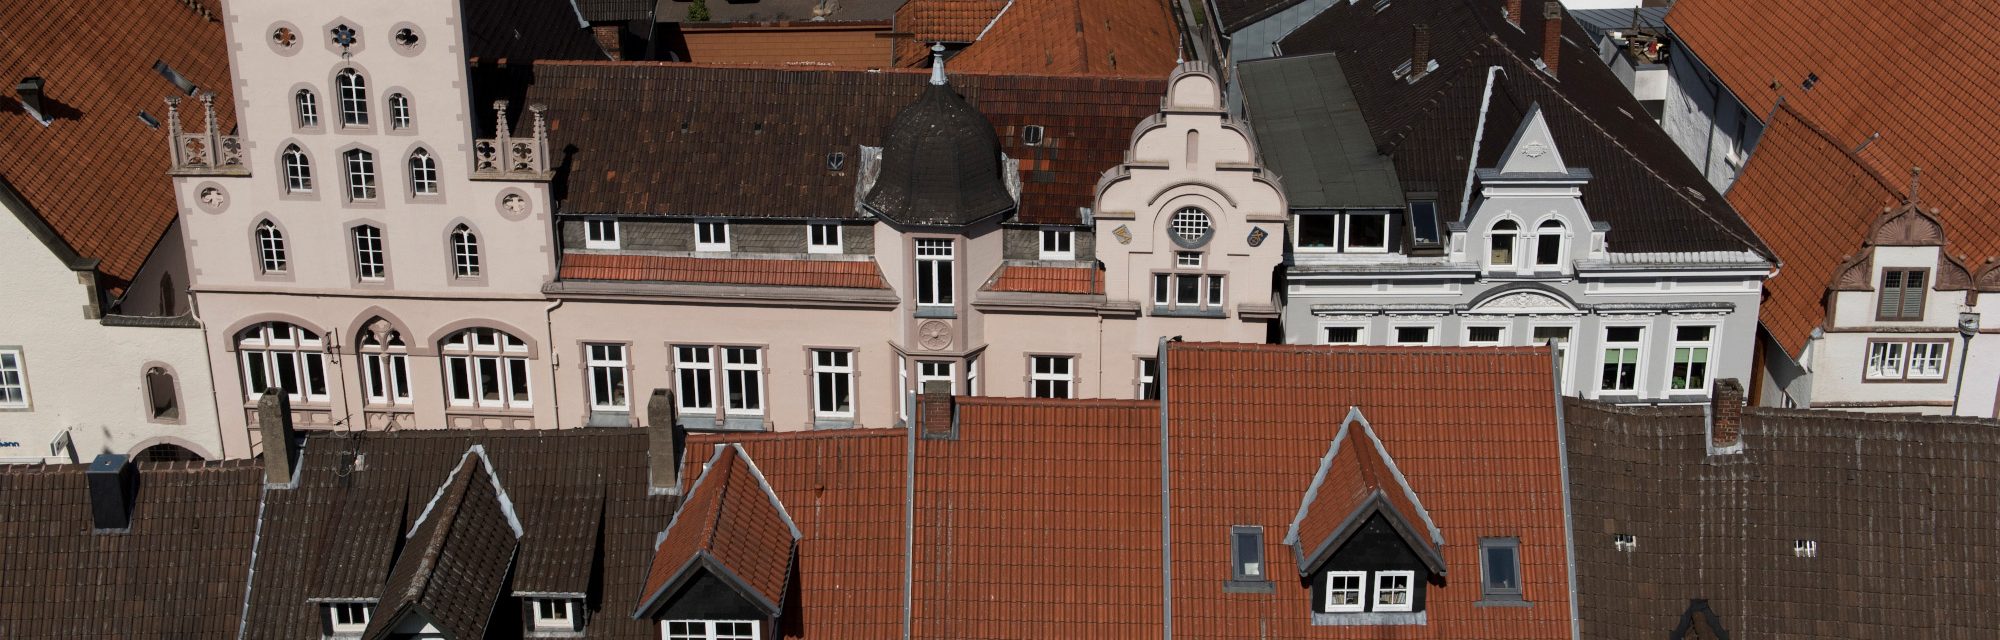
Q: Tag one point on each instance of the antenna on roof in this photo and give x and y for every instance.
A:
(1916, 173)
(937, 63)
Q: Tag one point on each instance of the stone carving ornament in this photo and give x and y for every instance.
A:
(934, 335)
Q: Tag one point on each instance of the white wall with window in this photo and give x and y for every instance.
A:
(360, 164)
(607, 371)
(487, 368)
(1623, 348)
(729, 378)
(1052, 376)
(281, 356)
(13, 379)
(385, 367)
(935, 285)
(1692, 344)
(371, 260)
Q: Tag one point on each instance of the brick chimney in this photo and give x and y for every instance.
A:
(1725, 416)
(666, 443)
(114, 483)
(609, 39)
(937, 416)
(1420, 47)
(1513, 12)
(1552, 33)
(281, 443)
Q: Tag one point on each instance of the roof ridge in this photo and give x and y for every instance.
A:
(1433, 99)
(714, 523)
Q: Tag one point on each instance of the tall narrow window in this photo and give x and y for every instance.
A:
(385, 368)
(353, 97)
(1902, 296)
(743, 380)
(1691, 347)
(1149, 378)
(464, 252)
(823, 237)
(934, 277)
(360, 175)
(1424, 224)
(280, 356)
(833, 384)
(1500, 244)
(1058, 244)
(1052, 376)
(1621, 358)
(160, 401)
(307, 108)
(694, 370)
(270, 248)
(711, 236)
(13, 380)
(423, 173)
(1559, 337)
(600, 233)
(606, 363)
(399, 111)
(1500, 565)
(1549, 243)
(486, 368)
(371, 263)
(1246, 553)
(298, 171)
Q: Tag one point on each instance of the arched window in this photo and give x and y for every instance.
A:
(399, 111)
(464, 252)
(385, 364)
(308, 108)
(281, 356)
(360, 175)
(1500, 243)
(353, 97)
(161, 403)
(486, 368)
(1549, 237)
(371, 261)
(298, 170)
(423, 173)
(270, 248)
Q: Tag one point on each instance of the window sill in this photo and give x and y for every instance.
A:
(1503, 601)
(599, 418)
(1170, 312)
(1371, 619)
(1618, 398)
(707, 422)
(833, 423)
(937, 312)
(1249, 586)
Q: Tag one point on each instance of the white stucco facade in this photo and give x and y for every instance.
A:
(1712, 127)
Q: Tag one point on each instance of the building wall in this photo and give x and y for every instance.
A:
(87, 378)
(1713, 129)
(1840, 360)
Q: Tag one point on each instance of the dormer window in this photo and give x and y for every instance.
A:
(711, 236)
(710, 629)
(1500, 244)
(1393, 590)
(1348, 232)
(554, 615)
(1500, 568)
(1424, 225)
(346, 619)
(1346, 591)
(1549, 238)
(1058, 244)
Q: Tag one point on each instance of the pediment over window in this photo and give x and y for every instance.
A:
(1909, 225)
(1523, 300)
(1952, 274)
(1357, 482)
(1856, 272)
(1989, 275)
(731, 544)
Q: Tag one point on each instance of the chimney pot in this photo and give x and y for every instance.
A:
(1513, 12)
(937, 415)
(30, 92)
(666, 443)
(1552, 30)
(281, 443)
(114, 482)
(1725, 416)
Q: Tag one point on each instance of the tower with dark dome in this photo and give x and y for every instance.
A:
(940, 164)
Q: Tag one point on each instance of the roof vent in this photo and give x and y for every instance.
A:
(180, 81)
(836, 160)
(113, 482)
(1811, 80)
(150, 121)
(30, 91)
(1031, 135)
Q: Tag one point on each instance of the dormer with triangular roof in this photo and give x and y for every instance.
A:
(1362, 538)
(723, 565)
(1529, 217)
(455, 561)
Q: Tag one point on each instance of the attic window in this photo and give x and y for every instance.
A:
(346, 619)
(1500, 568)
(1805, 548)
(1625, 542)
(1247, 552)
(1031, 135)
(1424, 224)
(186, 86)
(1811, 80)
(555, 615)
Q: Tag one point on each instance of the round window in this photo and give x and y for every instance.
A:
(1191, 227)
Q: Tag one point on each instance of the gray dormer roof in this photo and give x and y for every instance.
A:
(940, 165)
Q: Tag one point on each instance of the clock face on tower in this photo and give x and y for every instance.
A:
(934, 335)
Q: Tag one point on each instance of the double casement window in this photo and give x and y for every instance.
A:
(1058, 244)
(371, 262)
(1902, 295)
(600, 233)
(360, 175)
(13, 380)
(1351, 232)
(399, 111)
(741, 379)
(1346, 591)
(353, 97)
(710, 629)
(1907, 359)
(1052, 376)
(823, 237)
(606, 365)
(1378, 591)
(306, 108)
(464, 252)
(1500, 568)
(1622, 349)
(346, 619)
(937, 371)
(555, 614)
(711, 236)
(833, 384)
(1501, 243)
(280, 356)
(1149, 378)
(270, 248)
(385, 368)
(1691, 352)
(423, 173)
(298, 170)
(934, 274)
(488, 368)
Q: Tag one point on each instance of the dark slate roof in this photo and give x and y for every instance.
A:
(646, 138)
(456, 559)
(1653, 197)
(613, 10)
(178, 573)
(940, 164)
(1600, 21)
(733, 525)
(523, 30)
(1311, 133)
(578, 494)
(1905, 511)
(1236, 14)
(786, 10)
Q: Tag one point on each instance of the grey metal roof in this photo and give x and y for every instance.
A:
(1599, 21)
(1311, 133)
(782, 10)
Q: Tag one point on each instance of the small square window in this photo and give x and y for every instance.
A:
(600, 233)
(1500, 564)
(347, 619)
(1058, 244)
(1345, 591)
(1395, 590)
(823, 237)
(711, 236)
(1625, 542)
(555, 614)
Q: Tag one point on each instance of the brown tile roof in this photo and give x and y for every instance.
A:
(1356, 478)
(456, 559)
(523, 30)
(97, 174)
(1038, 279)
(812, 43)
(179, 572)
(1902, 509)
(1131, 38)
(1654, 199)
(795, 11)
(731, 524)
(856, 274)
(929, 21)
(641, 130)
(1890, 83)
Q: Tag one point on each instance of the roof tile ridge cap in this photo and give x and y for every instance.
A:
(1827, 137)
(1399, 134)
(769, 493)
(1437, 537)
(714, 521)
(434, 547)
(1311, 494)
(1755, 243)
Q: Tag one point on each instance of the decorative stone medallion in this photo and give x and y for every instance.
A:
(284, 38)
(514, 205)
(1257, 236)
(934, 335)
(1535, 150)
(1123, 234)
(407, 38)
(211, 198)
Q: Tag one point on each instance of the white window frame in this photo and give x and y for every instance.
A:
(1467, 335)
(902, 387)
(353, 627)
(467, 356)
(1942, 357)
(823, 237)
(1360, 333)
(554, 614)
(464, 252)
(1564, 352)
(305, 108)
(1299, 229)
(1148, 378)
(1430, 335)
(936, 257)
(1360, 592)
(1058, 243)
(13, 379)
(1059, 376)
(972, 375)
(264, 350)
(1186, 220)
(1561, 233)
(694, 378)
(423, 173)
(390, 361)
(1705, 347)
(614, 363)
(949, 375)
(1346, 232)
(1882, 368)
(707, 630)
(600, 233)
(1382, 587)
(353, 97)
(271, 254)
(711, 236)
(399, 111)
(298, 170)
(833, 367)
(1638, 351)
(743, 375)
(1513, 246)
(371, 255)
(360, 166)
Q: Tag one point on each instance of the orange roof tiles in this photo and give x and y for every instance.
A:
(732, 519)
(1035, 279)
(96, 173)
(1354, 474)
(793, 273)
(947, 20)
(1135, 38)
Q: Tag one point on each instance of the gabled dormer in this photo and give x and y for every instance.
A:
(1530, 220)
(1365, 546)
(722, 567)
(455, 561)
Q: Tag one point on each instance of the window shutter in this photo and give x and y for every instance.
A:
(1888, 304)
(1913, 295)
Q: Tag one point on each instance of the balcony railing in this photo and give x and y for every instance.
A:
(207, 152)
(504, 157)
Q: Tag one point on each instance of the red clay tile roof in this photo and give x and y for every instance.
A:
(179, 573)
(1131, 38)
(642, 129)
(732, 519)
(855, 274)
(97, 174)
(1036, 279)
(930, 21)
(1356, 473)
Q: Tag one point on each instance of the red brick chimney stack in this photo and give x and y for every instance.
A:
(1552, 33)
(936, 417)
(1513, 11)
(1420, 47)
(1726, 414)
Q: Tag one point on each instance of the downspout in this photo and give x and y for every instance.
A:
(549, 325)
(1478, 134)
(1569, 516)
(1965, 349)
(208, 351)
(1166, 505)
(909, 510)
